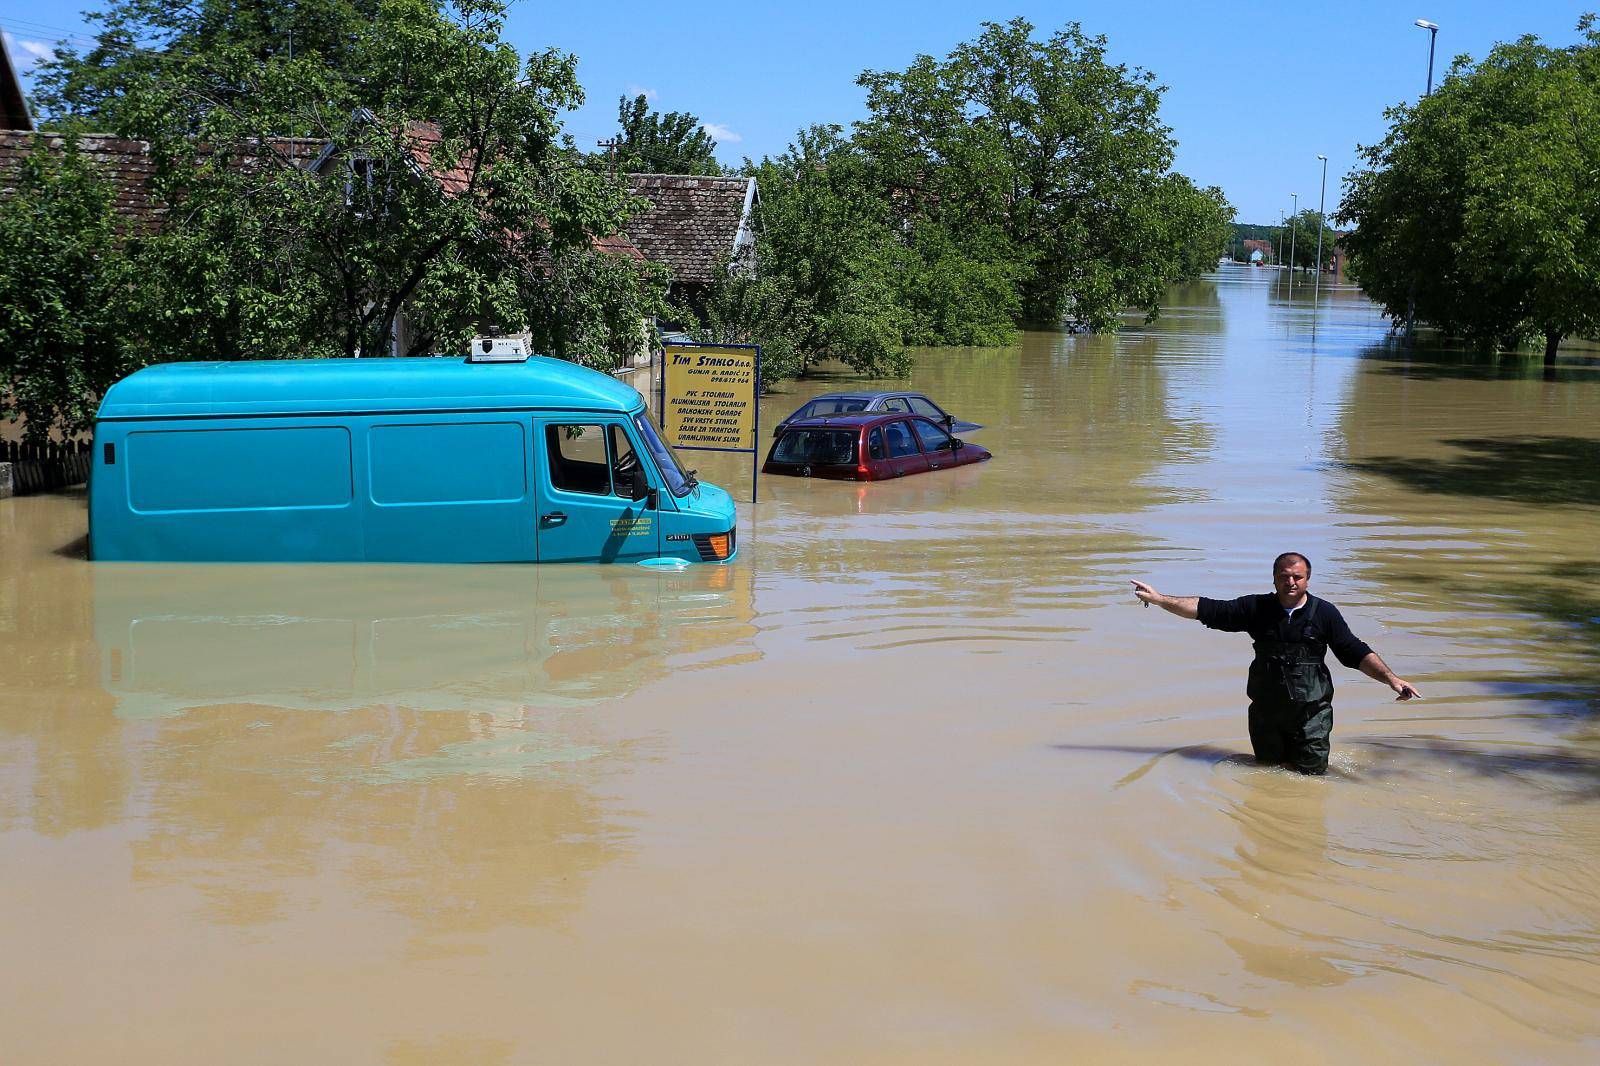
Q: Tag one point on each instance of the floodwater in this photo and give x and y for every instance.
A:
(914, 781)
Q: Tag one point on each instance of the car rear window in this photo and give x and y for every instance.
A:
(817, 447)
(833, 405)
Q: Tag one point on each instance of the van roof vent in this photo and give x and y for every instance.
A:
(498, 350)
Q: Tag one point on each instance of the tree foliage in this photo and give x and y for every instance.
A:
(1479, 204)
(446, 188)
(653, 143)
(61, 278)
(1014, 181)
(1303, 229)
(827, 267)
(1052, 151)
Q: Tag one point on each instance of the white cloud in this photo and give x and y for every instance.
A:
(640, 90)
(721, 133)
(31, 52)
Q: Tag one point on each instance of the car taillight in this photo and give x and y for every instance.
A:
(862, 473)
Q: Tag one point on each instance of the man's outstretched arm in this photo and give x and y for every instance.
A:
(1182, 606)
(1373, 666)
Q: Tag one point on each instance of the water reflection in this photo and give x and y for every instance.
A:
(1480, 492)
(494, 639)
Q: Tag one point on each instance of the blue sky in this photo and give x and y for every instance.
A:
(1255, 90)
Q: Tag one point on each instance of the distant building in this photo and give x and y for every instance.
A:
(1258, 251)
(1340, 258)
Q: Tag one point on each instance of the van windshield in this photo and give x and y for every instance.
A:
(666, 461)
(817, 447)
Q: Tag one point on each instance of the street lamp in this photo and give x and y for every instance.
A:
(1316, 286)
(1411, 300)
(1433, 35)
(1293, 211)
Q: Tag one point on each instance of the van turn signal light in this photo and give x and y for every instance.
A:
(719, 545)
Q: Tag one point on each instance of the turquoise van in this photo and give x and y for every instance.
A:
(442, 460)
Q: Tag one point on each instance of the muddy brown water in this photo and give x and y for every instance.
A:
(914, 781)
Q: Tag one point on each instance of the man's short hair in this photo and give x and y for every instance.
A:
(1288, 557)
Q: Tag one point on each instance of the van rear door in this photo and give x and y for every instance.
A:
(585, 466)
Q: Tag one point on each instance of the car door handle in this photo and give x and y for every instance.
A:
(553, 519)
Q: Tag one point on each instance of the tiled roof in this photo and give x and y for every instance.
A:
(424, 139)
(691, 223)
(617, 244)
(126, 163)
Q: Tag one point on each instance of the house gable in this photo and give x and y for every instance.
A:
(694, 223)
(13, 105)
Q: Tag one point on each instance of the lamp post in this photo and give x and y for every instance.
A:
(1433, 35)
(1411, 300)
(1322, 201)
(1293, 211)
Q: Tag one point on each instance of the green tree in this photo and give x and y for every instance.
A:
(1050, 146)
(450, 194)
(652, 143)
(1195, 226)
(1479, 205)
(828, 257)
(1304, 231)
(61, 280)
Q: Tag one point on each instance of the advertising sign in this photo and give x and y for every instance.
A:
(709, 394)
(709, 397)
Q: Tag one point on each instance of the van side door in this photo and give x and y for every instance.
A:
(585, 470)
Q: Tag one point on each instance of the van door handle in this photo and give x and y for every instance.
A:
(553, 519)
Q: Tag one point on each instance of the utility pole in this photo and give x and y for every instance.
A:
(610, 145)
(1316, 285)
(1294, 211)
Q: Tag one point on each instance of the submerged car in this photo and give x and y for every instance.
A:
(867, 447)
(845, 403)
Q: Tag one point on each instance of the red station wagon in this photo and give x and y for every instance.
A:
(867, 447)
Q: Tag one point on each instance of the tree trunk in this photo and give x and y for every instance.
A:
(1552, 340)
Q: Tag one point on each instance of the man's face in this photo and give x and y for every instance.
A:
(1291, 580)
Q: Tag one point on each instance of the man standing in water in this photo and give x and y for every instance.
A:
(1290, 690)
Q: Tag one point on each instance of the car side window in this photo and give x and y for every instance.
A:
(923, 406)
(932, 437)
(875, 444)
(901, 443)
(578, 458)
(897, 403)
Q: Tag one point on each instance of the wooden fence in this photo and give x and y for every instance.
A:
(42, 467)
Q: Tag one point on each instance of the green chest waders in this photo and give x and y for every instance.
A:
(1291, 704)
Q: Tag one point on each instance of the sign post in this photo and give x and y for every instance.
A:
(709, 400)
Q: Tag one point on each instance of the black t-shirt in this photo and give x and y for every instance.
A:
(1264, 618)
